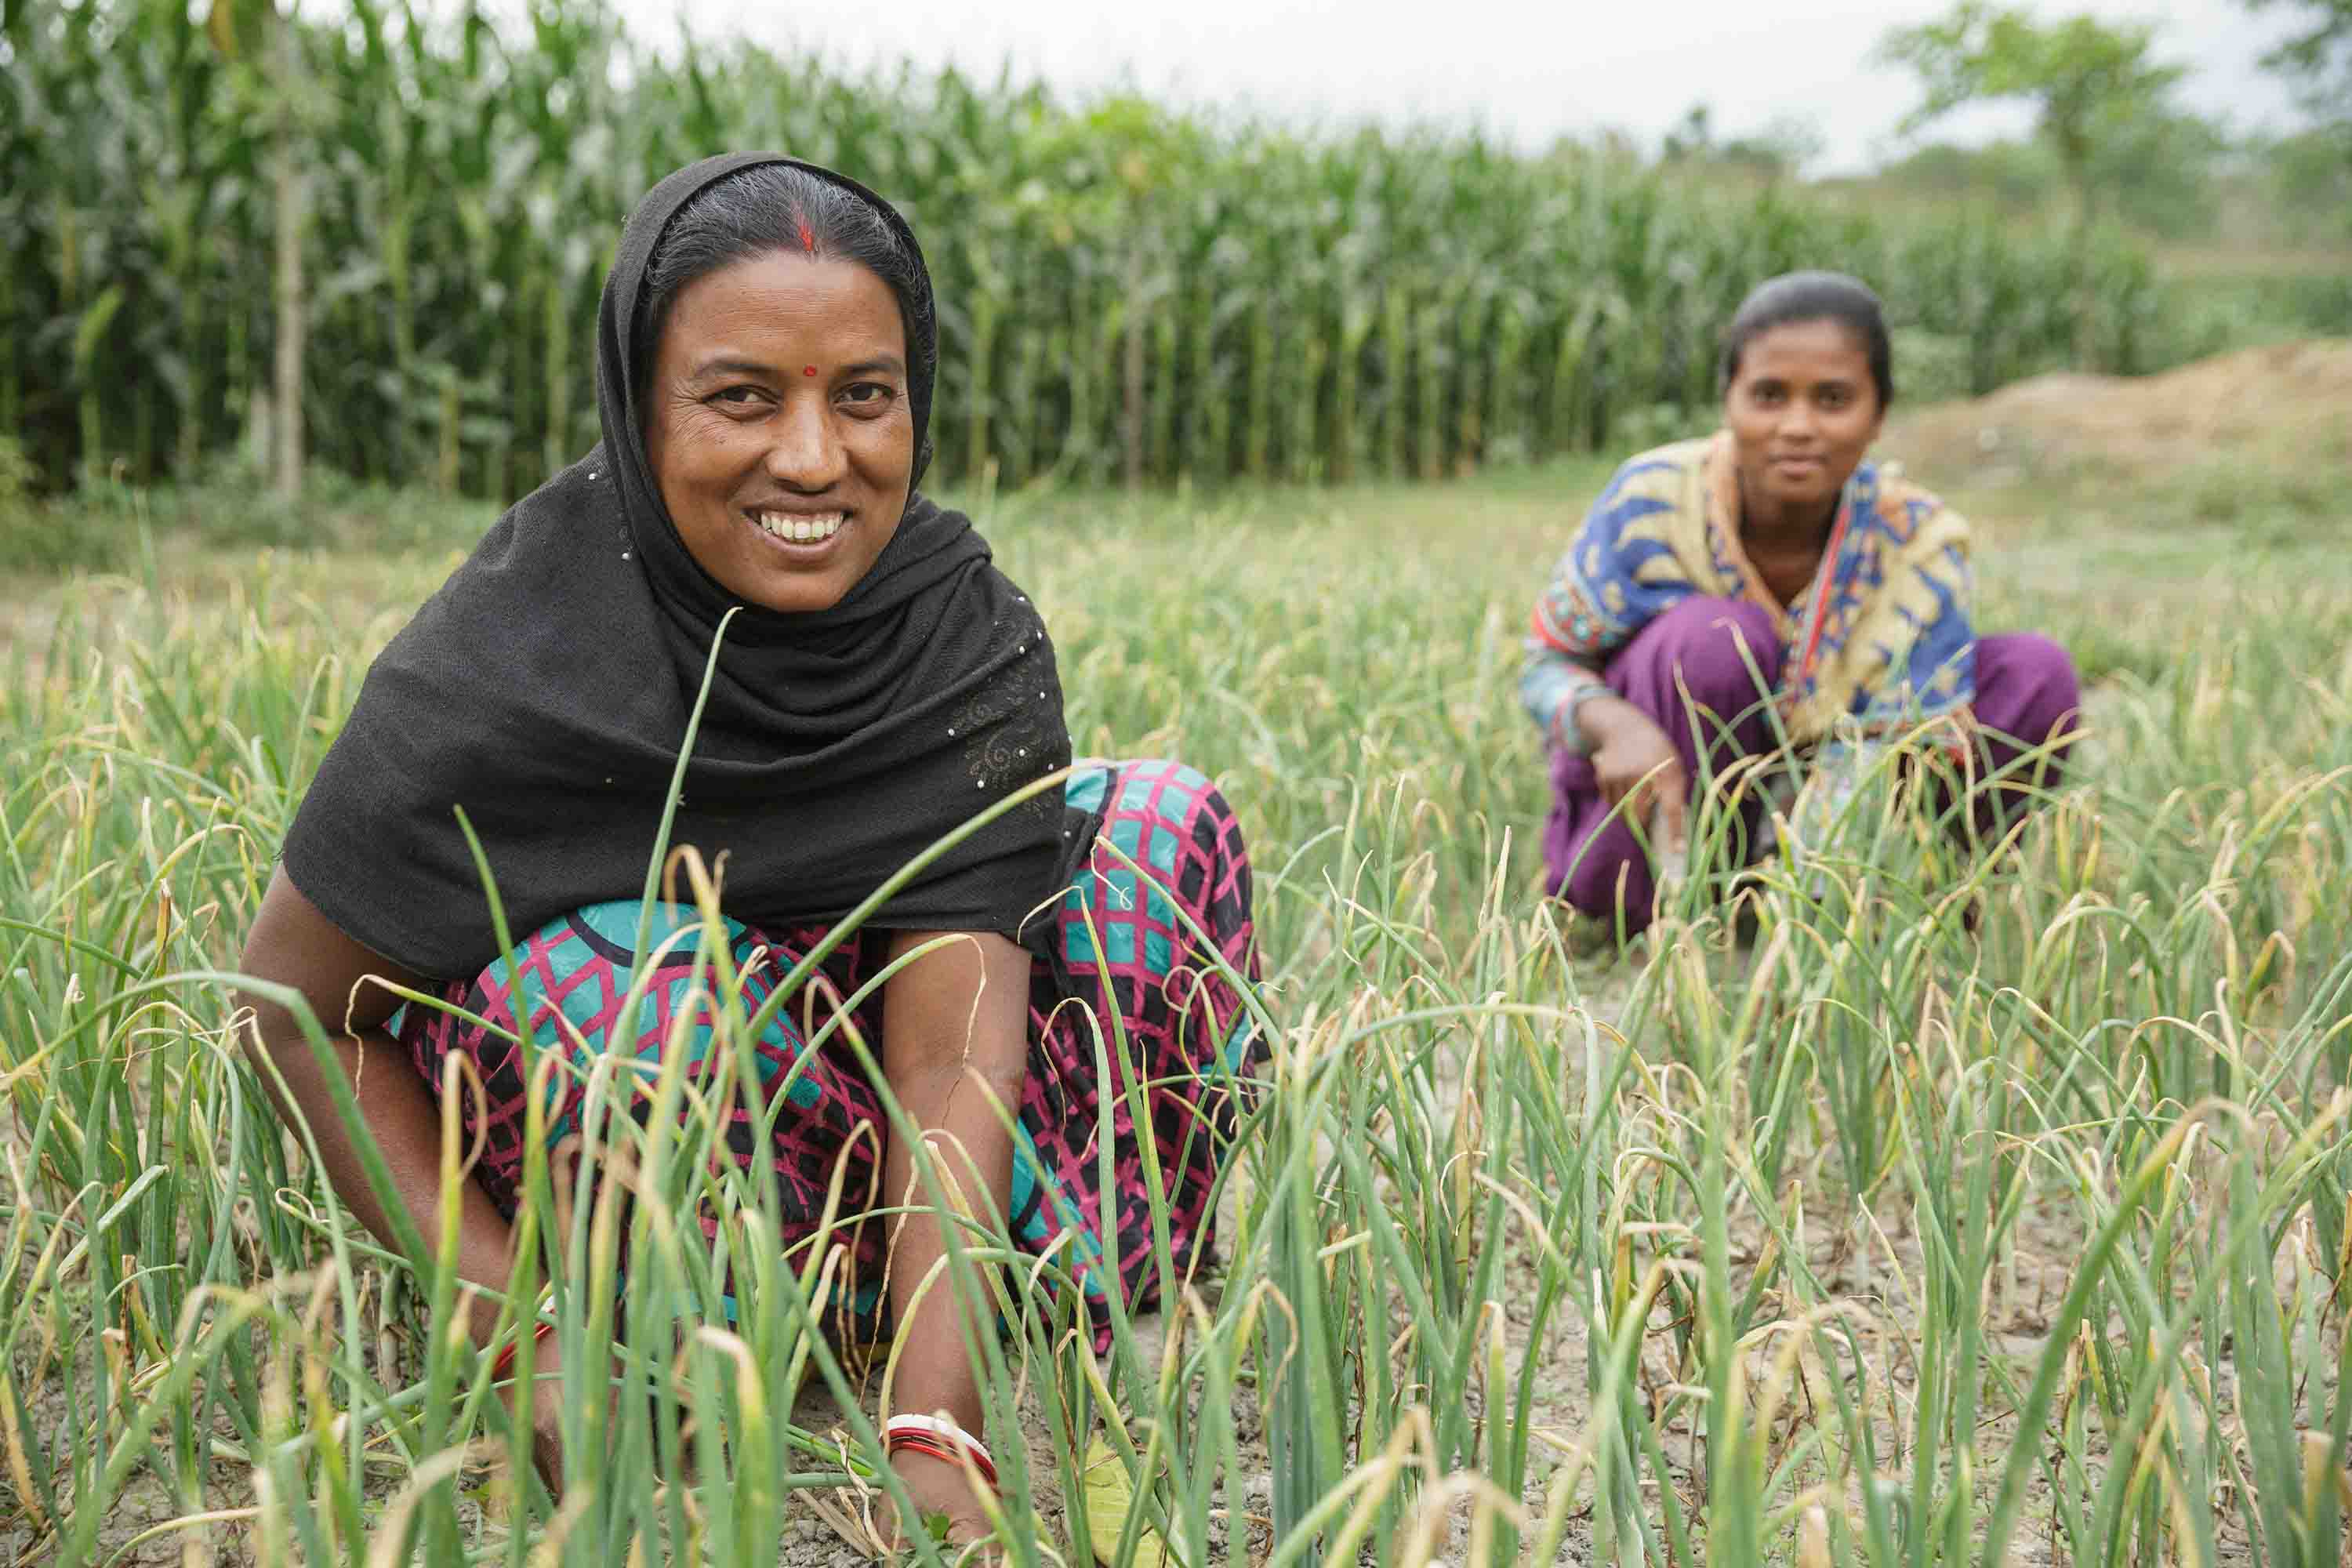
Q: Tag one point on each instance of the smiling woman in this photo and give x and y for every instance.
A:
(1770, 583)
(766, 353)
(776, 397)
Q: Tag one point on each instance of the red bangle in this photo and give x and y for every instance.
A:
(933, 1448)
(932, 1444)
(505, 1360)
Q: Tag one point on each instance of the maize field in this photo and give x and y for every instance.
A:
(1127, 293)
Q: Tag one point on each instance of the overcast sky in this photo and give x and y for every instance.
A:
(1526, 68)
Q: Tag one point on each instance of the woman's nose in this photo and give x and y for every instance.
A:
(805, 454)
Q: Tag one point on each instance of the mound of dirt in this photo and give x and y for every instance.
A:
(2286, 394)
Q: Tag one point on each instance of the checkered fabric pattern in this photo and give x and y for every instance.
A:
(1165, 888)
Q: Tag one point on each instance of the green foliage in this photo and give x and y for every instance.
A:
(16, 474)
(1929, 367)
(2163, 174)
(2309, 176)
(2090, 82)
(2159, 168)
(1778, 151)
(39, 536)
(2017, 176)
(1124, 291)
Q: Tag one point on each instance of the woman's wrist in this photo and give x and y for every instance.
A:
(1563, 727)
(1598, 717)
(536, 1333)
(950, 1442)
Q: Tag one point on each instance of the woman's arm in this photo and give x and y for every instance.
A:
(955, 1047)
(295, 945)
(1570, 640)
(1570, 637)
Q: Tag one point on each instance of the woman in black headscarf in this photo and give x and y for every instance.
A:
(766, 351)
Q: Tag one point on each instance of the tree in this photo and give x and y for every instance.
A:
(1780, 150)
(2319, 58)
(1788, 142)
(1691, 137)
(2314, 169)
(2090, 83)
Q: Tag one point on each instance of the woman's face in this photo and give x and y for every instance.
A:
(778, 426)
(1802, 409)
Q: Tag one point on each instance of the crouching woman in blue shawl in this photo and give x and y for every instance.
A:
(1770, 582)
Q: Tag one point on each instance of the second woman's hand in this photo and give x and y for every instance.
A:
(1637, 766)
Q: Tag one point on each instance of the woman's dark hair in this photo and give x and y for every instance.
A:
(778, 207)
(1812, 297)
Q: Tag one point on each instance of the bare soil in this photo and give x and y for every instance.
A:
(2294, 395)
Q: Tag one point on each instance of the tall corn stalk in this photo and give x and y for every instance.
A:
(287, 194)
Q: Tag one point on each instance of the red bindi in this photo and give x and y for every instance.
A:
(808, 370)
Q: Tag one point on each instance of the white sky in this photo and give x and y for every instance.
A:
(1529, 70)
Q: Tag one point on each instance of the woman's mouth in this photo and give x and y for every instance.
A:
(799, 527)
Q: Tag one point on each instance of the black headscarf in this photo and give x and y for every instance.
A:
(546, 689)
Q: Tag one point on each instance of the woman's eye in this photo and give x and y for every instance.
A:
(868, 394)
(736, 396)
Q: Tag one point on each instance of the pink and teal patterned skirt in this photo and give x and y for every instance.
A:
(1166, 842)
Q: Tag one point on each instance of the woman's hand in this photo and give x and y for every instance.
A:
(1636, 764)
(940, 1487)
(545, 1410)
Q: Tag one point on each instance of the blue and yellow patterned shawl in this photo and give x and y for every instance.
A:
(1882, 636)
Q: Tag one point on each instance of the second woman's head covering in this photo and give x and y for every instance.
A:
(546, 689)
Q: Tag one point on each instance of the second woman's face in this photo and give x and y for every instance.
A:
(778, 426)
(1802, 409)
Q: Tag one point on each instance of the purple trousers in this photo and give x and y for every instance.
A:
(2026, 697)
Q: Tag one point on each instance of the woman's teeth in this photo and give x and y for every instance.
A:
(800, 529)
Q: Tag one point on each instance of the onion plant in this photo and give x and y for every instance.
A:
(1959, 1209)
